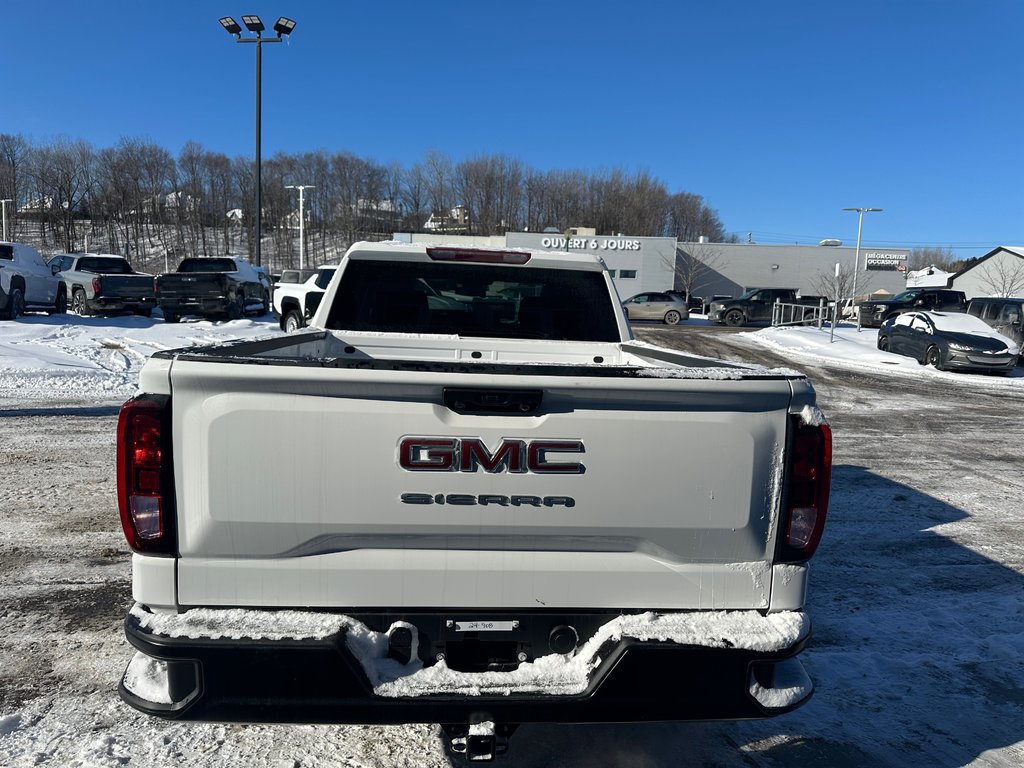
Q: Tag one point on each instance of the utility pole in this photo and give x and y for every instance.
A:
(856, 258)
(3, 203)
(283, 27)
(302, 220)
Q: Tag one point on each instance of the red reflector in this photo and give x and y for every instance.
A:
(147, 481)
(478, 256)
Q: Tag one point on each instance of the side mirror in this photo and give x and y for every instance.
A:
(54, 269)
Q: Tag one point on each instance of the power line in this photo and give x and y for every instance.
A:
(782, 238)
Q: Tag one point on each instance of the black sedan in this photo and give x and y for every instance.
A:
(948, 340)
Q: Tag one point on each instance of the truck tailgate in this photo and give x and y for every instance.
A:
(175, 285)
(327, 517)
(128, 286)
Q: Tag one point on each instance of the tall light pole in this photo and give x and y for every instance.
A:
(3, 204)
(283, 27)
(856, 258)
(302, 219)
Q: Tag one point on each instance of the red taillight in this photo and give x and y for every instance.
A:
(479, 256)
(808, 483)
(144, 478)
(97, 286)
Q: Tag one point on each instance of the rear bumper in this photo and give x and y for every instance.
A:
(121, 303)
(198, 305)
(321, 680)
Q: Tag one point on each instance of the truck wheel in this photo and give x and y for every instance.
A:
(60, 306)
(236, 309)
(292, 321)
(734, 318)
(933, 358)
(144, 312)
(171, 317)
(78, 303)
(15, 304)
(672, 317)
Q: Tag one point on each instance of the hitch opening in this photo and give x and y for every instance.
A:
(479, 742)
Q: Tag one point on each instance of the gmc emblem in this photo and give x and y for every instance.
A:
(468, 454)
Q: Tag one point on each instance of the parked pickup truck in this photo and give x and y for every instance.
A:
(26, 283)
(211, 287)
(755, 305)
(104, 283)
(475, 515)
(873, 313)
(296, 300)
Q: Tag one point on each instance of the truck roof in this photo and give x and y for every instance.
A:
(396, 251)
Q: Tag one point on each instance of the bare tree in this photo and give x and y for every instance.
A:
(1003, 276)
(689, 218)
(941, 258)
(825, 283)
(140, 201)
(834, 287)
(63, 175)
(440, 182)
(14, 154)
(414, 198)
(693, 266)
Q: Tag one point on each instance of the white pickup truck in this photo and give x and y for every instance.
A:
(27, 283)
(490, 508)
(296, 300)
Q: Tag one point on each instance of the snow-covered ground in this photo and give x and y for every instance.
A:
(65, 356)
(917, 595)
(857, 350)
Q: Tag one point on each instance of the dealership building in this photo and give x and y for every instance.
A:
(640, 264)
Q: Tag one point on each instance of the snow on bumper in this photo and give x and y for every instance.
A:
(294, 666)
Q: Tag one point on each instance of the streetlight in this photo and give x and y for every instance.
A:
(302, 218)
(856, 257)
(3, 204)
(283, 27)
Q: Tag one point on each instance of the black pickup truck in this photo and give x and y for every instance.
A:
(755, 305)
(103, 284)
(873, 313)
(211, 287)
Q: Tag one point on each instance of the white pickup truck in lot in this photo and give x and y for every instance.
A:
(27, 283)
(481, 503)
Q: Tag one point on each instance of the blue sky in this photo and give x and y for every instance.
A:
(779, 114)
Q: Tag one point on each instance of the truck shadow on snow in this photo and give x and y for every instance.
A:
(916, 654)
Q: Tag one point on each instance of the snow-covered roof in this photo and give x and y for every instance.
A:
(929, 277)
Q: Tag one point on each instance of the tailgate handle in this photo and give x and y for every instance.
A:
(509, 402)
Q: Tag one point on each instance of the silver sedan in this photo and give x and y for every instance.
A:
(664, 307)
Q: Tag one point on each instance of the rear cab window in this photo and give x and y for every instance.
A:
(207, 265)
(474, 300)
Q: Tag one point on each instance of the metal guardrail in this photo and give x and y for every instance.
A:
(801, 314)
